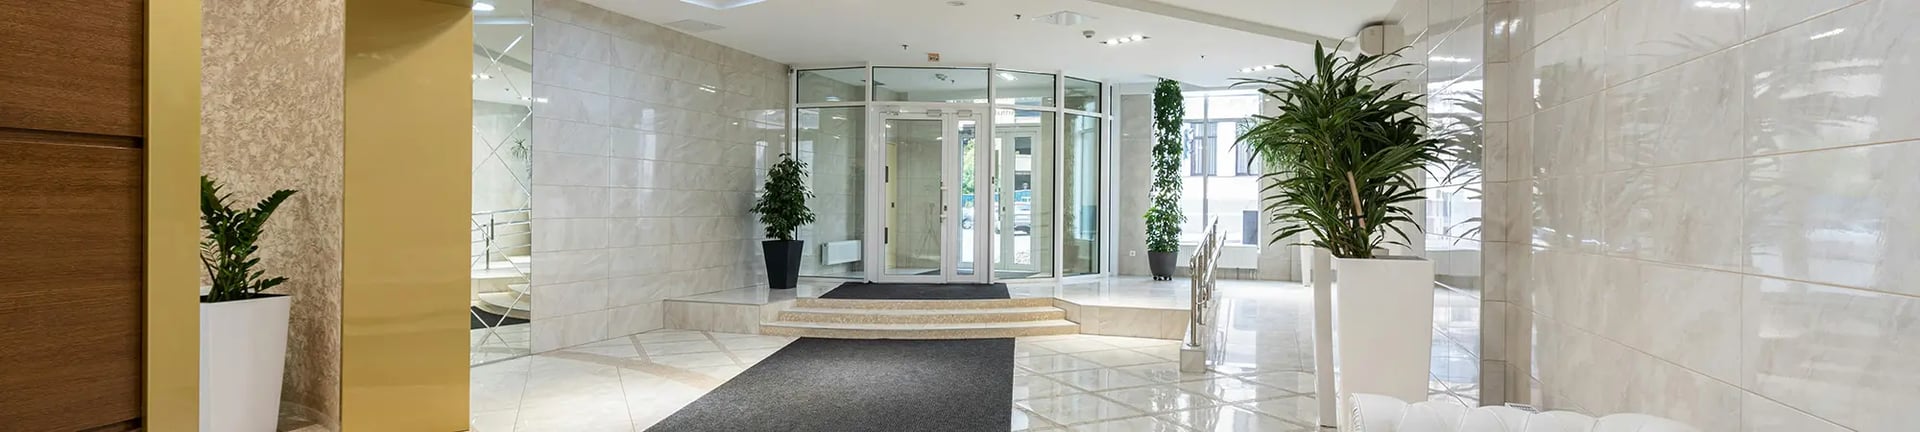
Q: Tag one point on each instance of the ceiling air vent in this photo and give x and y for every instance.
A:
(693, 26)
(1065, 18)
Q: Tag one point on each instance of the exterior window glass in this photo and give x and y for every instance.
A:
(831, 85)
(1223, 180)
(1082, 95)
(950, 85)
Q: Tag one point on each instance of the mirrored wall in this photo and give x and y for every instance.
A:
(500, 231)
(1027, 196)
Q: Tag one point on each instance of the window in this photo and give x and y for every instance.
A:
(1223, 180)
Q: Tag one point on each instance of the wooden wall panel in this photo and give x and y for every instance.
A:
(70, 303)
(72, 65)
(71, 214)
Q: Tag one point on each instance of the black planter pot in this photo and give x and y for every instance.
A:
(783, 262)
(1162, 264)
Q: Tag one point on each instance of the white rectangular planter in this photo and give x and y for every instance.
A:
(1383, 326)
(243, 349)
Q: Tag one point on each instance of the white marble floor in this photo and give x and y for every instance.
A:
(1262, 379)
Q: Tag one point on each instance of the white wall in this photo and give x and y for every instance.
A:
(647, 154)
(1721, 205)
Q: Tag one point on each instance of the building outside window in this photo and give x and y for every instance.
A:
(1222, 179)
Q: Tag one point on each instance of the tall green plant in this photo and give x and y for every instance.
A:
(231, 239)
(783, 200)
(1163, 215)
(1344, 153)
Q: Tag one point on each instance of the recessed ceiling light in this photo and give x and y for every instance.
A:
(483, 6)
(721, 4)
(1258, 68)
(1125, 40)
(481, 76)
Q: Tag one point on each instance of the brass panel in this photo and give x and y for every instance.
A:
(172, 372)
(407, 187)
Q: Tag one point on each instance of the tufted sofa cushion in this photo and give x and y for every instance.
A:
(1375, 413)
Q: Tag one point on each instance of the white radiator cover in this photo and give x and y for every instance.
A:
(840, 252)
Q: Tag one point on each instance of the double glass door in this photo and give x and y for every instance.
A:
(928, 182)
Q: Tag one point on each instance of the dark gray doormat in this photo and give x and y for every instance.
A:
(849, 385)
(910, 291)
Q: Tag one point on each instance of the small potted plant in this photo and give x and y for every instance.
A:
(1163, 214)
(783, 208)
(243, 330)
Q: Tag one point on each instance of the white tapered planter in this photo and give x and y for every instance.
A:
(1317, 271)
(243, 349)
(1383, 326)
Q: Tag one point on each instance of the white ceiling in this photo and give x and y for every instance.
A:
(839, 32)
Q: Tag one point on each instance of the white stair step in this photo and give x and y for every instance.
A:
(497, 272)
(524, 261)
(507, 300)
(523, 289)
(1022, 302)
(921, 316)
(920, 331)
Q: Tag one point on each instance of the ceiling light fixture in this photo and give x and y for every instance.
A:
(1445, 59)
(481, 76)
(482, 6)
(1719, 5)
(721, 4)
(1125, 40)
(1258, 68)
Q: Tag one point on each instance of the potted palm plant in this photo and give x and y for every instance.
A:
(783, 208)
(1345, 153)
(243, 330)
(1163, 214)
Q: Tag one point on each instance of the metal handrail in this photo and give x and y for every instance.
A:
(490, 232)
(1205, 260)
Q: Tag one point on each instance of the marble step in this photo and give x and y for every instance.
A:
(921, 316)
(523, 289)
(506, 303)
(1023, 302)
(920, 331)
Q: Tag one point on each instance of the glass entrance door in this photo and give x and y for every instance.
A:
(929, 212)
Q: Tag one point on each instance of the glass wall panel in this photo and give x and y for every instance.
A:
(832, 143)
(964, 240)
(952, 85)
(1080, 235)
(500, 228)
(1023, 194)
(1083, 95)
(1223, 179)
(1023, 88)
(831, 85)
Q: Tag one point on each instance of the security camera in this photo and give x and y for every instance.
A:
(1087, 33)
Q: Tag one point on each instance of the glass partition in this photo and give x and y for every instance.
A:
(1023, 188)
(949, 85)
(830, 85)
(1040, 205)
(1023, 88)
(1082, 95)
(832, 143)
(1080, 200)
(500, 228)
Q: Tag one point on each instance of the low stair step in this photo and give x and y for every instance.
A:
(523, 289)
(823, 303)
(507, 300)
(921, 316)
(499, 272)
(920, 331)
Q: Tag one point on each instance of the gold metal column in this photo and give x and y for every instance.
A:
(172, 365)
(407, 191)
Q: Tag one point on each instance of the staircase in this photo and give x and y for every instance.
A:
(920, 319)
(502, 287)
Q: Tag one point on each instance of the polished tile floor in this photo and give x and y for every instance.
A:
(1262, 379)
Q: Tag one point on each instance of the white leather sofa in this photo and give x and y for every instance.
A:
(1375, 413)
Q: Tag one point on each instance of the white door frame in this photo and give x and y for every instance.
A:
(950, 116)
